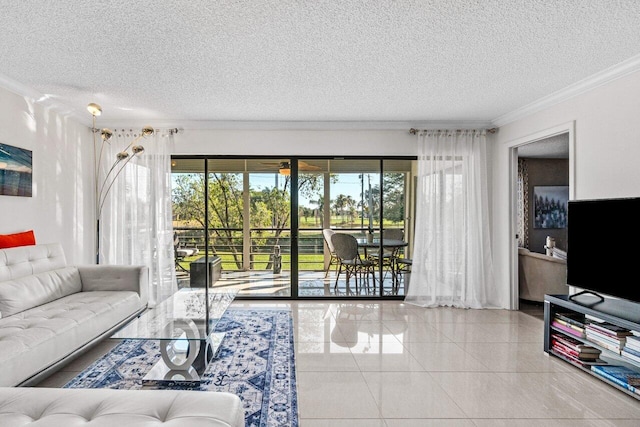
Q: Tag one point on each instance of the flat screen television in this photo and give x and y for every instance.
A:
(602, 240)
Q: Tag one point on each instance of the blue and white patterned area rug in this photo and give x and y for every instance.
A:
(255, 362)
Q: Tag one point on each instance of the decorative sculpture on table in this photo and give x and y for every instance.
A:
(103, 182)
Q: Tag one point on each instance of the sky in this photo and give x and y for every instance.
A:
(348, 184)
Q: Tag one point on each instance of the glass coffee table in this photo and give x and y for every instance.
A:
(185, 333)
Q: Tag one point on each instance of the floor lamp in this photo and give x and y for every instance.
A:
(103, 182)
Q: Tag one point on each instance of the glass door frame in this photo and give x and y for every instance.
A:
(295, 223)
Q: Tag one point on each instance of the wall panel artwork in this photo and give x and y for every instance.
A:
(550, 206)
(15, 171)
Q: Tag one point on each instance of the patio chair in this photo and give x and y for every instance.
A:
(179, 253)
(403, 273)
(389, 255)
(327, 233)
(346, 248)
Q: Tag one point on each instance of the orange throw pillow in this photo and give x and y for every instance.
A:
(18, 239)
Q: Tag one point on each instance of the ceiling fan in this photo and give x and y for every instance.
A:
(284, 168)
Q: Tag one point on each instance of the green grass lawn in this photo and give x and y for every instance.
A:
(310, 241)
(314, 262)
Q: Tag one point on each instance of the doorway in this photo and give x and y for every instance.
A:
(542, 180)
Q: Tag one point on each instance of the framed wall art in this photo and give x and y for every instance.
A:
(16, 170)
(550, 206)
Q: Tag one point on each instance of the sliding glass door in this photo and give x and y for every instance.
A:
(313, 178)
(267, 229)
(265, 221)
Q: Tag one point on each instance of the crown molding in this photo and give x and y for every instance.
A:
(46, 101)
(598, 79)
(19, 89)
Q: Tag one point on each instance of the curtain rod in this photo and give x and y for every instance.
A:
(171, 131)
(414, 131)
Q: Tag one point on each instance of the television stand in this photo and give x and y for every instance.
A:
(581, 309)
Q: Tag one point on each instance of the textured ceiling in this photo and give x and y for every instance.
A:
(284, 60)
(554, 147)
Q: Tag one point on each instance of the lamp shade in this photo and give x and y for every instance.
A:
(106, 134)
(94, 109)
(147, 131)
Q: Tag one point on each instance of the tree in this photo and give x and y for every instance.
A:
(372, 204)
(305, 212)
(278, 202)
(350, 208)
(319, 211)
(394, 196)
(225, 207)
(269, 208)
(338, 205)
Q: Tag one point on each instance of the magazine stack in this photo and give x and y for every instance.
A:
(621, 375)
(631, 348)
(607, 335)
(575, 351)
(570, 323)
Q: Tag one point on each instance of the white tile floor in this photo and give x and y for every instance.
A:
(389, 364)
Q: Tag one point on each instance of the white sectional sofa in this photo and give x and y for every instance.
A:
(43, 407)
(50, 312)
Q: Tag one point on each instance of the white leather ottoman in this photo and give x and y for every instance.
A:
(58, 407)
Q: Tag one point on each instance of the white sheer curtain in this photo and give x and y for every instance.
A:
(136, 227)
(452, 263)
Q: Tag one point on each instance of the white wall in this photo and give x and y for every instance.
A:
(606, 156)
(61, 207)
(296, 142)
(607, 160)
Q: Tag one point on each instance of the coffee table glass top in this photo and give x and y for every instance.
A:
(183, 312)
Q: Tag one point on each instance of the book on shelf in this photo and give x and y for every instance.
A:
(573, 343)
(589, 318)
(633, 341)
(604, 338)
(609, 329)
(576, 361)
(557, 345)
(569, 325)
(621, 375)
(567, 329)
(631, 350)
(632, 356)
(571, 317)
(605, 344)
(619, 341)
